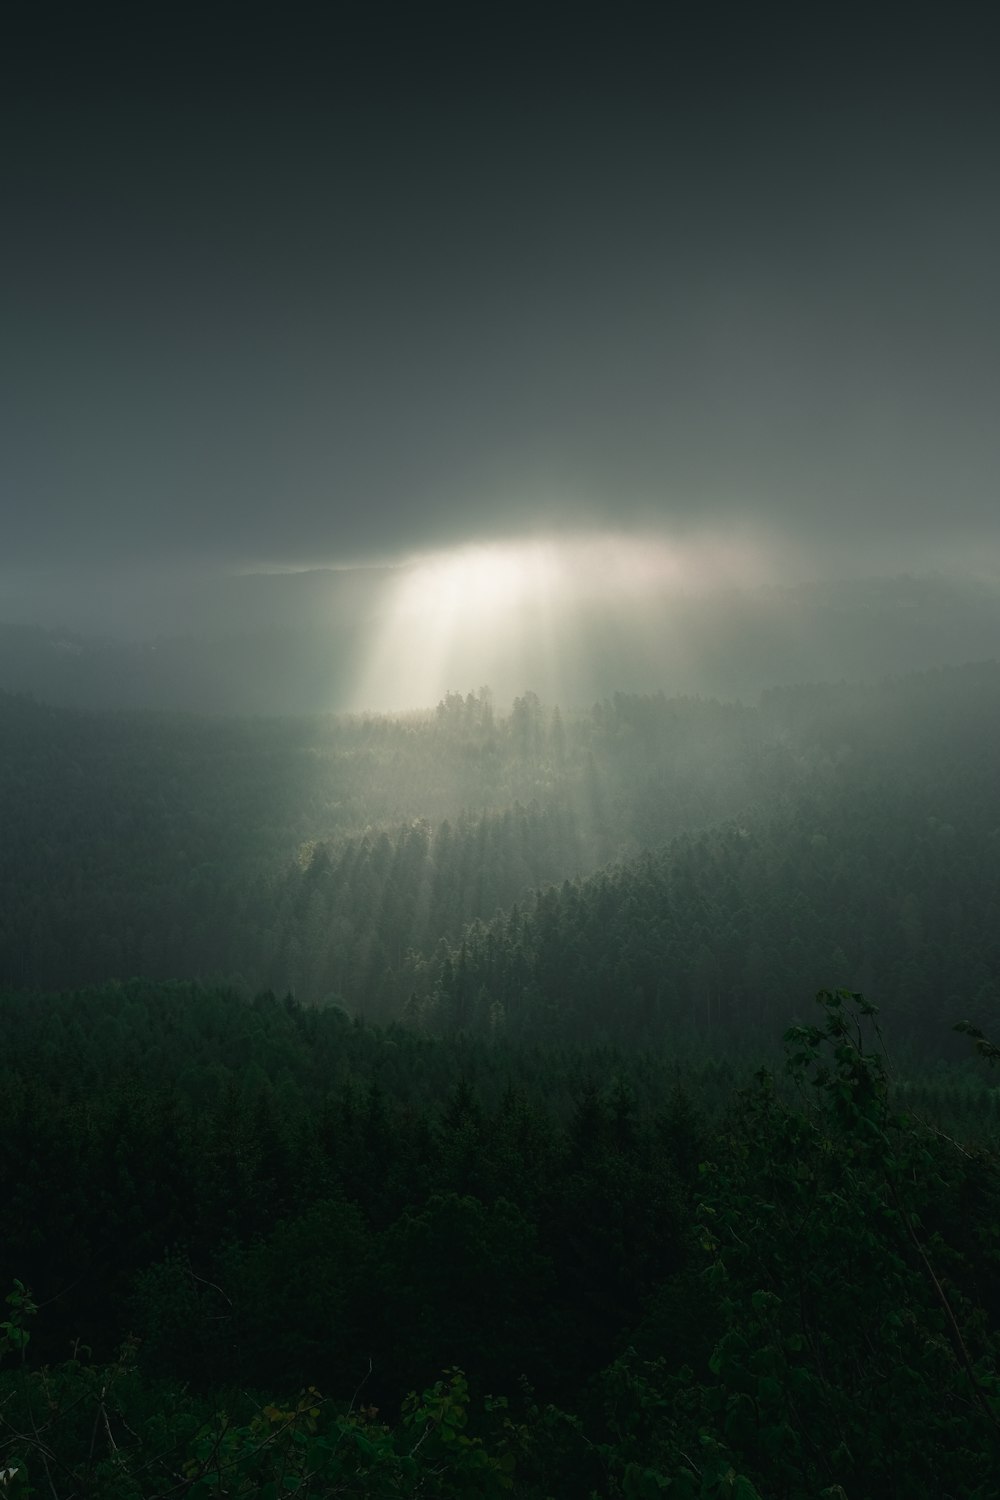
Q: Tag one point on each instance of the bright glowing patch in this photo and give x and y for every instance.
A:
(465, 617)
(533, 614)
(479, 581)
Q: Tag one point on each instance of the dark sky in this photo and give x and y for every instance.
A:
(284, 286)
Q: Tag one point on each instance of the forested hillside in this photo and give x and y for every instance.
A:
(500, 752)
(381, 1109)
(653, 868)
(238, 1234)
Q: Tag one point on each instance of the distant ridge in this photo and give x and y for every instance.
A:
(280, 642)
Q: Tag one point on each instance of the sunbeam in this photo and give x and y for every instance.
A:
(473, 614)
(535, 613)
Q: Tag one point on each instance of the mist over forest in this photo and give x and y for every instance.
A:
(304, 642)
(454, 1036)
(499, 724)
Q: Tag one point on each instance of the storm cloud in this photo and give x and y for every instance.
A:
(300, 293)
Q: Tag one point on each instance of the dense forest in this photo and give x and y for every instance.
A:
(439, 1104)
(653, 868)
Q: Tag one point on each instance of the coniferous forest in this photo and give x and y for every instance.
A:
(489, 1102)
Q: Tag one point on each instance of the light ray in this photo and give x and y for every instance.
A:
(538, 614)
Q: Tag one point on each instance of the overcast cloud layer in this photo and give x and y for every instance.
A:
(288, 293)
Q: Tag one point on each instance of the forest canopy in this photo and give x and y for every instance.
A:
(396, 1105)
(651, 868)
